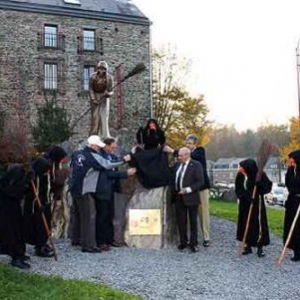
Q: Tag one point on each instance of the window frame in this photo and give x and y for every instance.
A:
(85, 38)
(86, 80)
(52, 35)
(50, 83)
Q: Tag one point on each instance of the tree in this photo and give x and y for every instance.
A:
(223, 142)
(276, 134)
(53, 125)
(293, 139)
(177, 112)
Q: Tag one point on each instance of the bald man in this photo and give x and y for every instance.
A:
(188, 182)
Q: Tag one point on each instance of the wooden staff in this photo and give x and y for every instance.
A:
(248, 222)
(289, 237)
(48, 231)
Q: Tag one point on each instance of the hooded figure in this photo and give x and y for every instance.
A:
(35, 232)
(100, 89)
(57, 156)
(258, 233)
(151, 136)
(292, 182)
(13, 186)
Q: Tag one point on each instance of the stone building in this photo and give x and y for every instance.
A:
(48, 49)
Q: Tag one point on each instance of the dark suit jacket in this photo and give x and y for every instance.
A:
(199, 155)
(193, 178)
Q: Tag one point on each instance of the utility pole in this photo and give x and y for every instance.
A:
(298, 81)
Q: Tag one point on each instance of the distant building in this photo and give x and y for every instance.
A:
(224, 170)
(49, 48)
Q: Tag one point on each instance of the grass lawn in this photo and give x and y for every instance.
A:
(17, 285)
(229, 211)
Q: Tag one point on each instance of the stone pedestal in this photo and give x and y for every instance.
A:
(160, 199)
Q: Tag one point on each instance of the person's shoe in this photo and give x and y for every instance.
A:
(91, 250)
(116, 244)
(193, 248)
(247, 250)
(25, 257)
(296, 257)
(181, 247)
(260, 252)
(43, 252)
(105, 247)
(19, 263)
(48, 248)
(206, 243)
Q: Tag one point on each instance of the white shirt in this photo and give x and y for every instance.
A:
(183, 165)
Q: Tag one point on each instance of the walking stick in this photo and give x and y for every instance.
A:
(48, 231)
(248, 221)
(139, 68)
(289, 237)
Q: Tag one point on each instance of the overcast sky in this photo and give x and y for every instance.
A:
(243, 54)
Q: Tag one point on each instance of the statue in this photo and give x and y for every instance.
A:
(100, 89)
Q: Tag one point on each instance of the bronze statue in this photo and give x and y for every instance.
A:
(100, 89)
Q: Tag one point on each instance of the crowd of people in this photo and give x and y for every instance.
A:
(95, 174)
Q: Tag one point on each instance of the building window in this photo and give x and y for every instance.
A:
(50, 36)
(89, 40)
(50, 76)
(87, 72)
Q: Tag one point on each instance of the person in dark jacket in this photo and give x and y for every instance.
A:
(151, 136)
(198, 154)
(85, 167)
(35, 232)
(13, 186)
(106, 187)
(258, 233)
(188, 181)
(292, 182)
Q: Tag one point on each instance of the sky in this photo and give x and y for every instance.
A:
(242, 51)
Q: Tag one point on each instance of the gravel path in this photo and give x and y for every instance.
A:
(213, 273)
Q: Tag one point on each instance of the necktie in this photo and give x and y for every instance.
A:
(179, 178)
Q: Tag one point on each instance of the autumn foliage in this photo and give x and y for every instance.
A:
(178, 113)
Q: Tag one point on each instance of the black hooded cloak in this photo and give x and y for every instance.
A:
(151, 138)
(258, 234)
(292, 182)
(35, 232)
(13, 186)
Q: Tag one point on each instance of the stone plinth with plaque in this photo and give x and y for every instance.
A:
(151, 219)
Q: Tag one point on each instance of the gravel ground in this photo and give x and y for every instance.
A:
(216, 272)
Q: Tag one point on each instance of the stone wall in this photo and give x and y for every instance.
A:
(22, 59)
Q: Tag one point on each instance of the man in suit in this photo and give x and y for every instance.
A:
(198, 154)
(189, 180)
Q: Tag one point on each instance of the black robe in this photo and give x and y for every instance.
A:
(292, 181)
(152, 168)
(151, 138)
(13, 186)
(258, 233)
(35, 232)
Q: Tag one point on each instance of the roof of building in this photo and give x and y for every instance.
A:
(224, 161)
(115, 10)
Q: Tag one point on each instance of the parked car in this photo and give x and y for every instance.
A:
(278, 196)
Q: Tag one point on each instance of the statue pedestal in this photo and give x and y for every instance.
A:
(153, 199)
